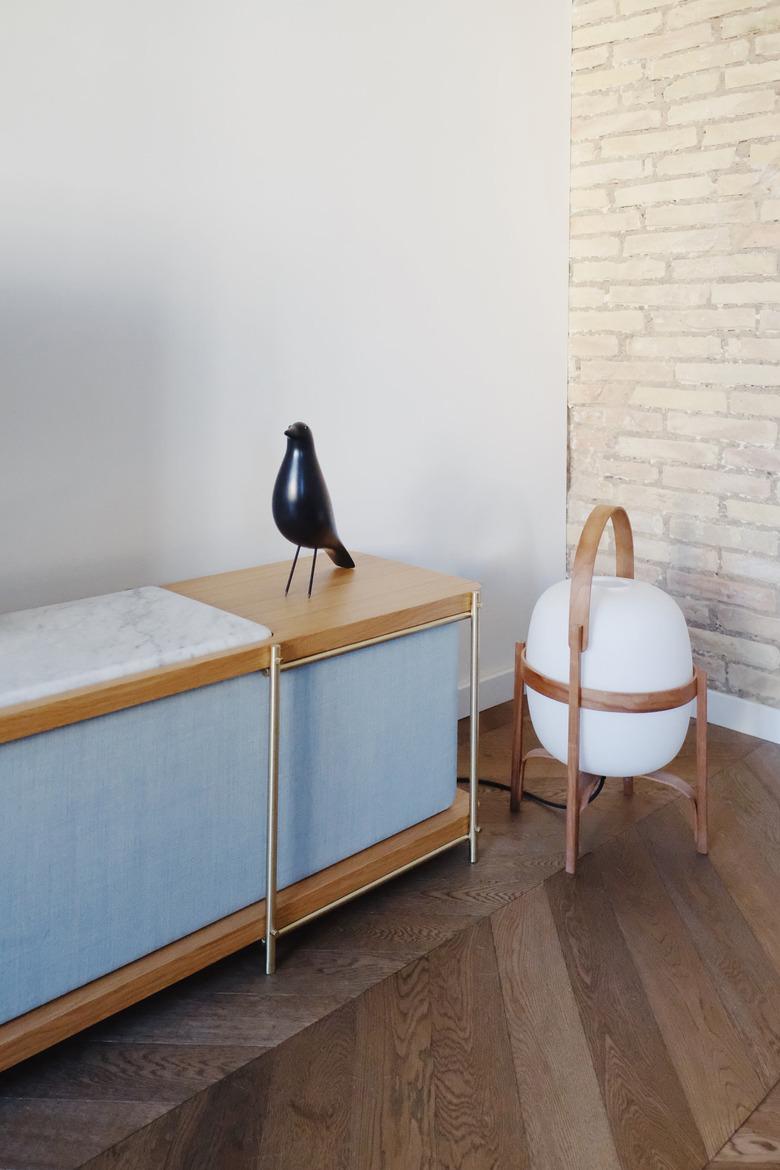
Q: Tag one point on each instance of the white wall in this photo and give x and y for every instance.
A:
(219, 216)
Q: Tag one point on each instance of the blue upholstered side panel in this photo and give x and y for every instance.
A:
(124, 833)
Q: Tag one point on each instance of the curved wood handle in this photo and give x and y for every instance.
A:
(585, 559)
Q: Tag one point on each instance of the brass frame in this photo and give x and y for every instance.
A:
(272, 933)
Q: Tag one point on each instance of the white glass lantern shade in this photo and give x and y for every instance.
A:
(638, 642)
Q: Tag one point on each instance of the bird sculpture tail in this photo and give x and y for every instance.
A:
(341, 557)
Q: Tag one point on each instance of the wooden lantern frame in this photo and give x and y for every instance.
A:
(581, 785)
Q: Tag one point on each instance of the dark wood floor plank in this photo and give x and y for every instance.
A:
(712, 1061)
(308, 1102)
(757, 1142)
(747, 983)
(478, 1118)
(392, 1090)
(60, 1135)
(649, 1115)
(565, 1119)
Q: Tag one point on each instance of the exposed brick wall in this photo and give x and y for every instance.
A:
(674, 388)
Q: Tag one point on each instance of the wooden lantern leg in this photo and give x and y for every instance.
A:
(573, 764)
(516, 773)
(702, 844)
(628, 785)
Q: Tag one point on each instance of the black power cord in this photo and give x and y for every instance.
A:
(535, 796)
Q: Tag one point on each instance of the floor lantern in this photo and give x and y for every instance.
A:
(610, 681)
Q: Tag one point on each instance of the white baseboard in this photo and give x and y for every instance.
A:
(723, 710)
(744, 715)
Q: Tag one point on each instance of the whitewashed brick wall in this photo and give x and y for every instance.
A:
(674, 390)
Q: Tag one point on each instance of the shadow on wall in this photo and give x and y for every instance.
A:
(81, 453)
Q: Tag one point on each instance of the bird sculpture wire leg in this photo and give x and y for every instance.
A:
(292, 570)
(311, 578)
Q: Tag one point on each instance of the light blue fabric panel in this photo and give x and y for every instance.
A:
(128, 831)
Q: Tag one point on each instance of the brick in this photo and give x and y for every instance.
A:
(769, 320)
(728, 373)
(668, 346)
(588, 199)
(725, 483)
(755, 74)
(765, 19)
(746, 402)
(596, 246)
(649, 142)
(701, 214)
(760, 235)
(666, 42)
(587, 58)
(681, 64)
(626, 371)
(615, 30)
(663, 192)
(606, 320)
(768, 45)
(629, 7)
(639, 95)
(586, 298)
(759, 432)
(756, 654)
(747, 293)
(683, 556)
(592, 11)
(752, 459)
(610, 393)
(659, 294)
(770, 209)
(765, 349)
(765, 126)
(606, 79)
(764, 154)
(754, 683)
(717, 267)
(593, 344)
(624, 120)
(689, 320)
(670, 503)
(614, 418)
(583, 152)
(730, 105)
(611, 221)
(610, 172)
(739, 564)
(695, 83)
(587, 106)
(683, 14)
(677, 398)
(697, 161)
(716, 589)
(667, 243)
(750, 512)
(736, 184)
(641, 268)
(668, 450)
(731, 617)
(631, 470)
(720, 535)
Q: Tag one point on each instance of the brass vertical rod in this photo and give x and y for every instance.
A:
(474, 731)
(272, 825)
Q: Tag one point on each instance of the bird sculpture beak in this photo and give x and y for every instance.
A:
(288, 433)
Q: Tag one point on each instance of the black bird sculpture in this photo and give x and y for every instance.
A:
(301, 504)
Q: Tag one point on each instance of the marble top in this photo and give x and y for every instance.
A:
(58, 648)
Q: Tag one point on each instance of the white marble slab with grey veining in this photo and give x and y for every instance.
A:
(57, 648)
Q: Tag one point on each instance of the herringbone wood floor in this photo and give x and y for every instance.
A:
(501, 1015)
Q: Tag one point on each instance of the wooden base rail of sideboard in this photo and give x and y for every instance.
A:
(52, 1022)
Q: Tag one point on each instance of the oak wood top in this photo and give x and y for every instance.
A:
(347, 606)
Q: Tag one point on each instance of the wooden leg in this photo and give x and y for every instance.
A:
(516, 773)
(313, 567)
(702, 844)
(573, 766)
(628, 785)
